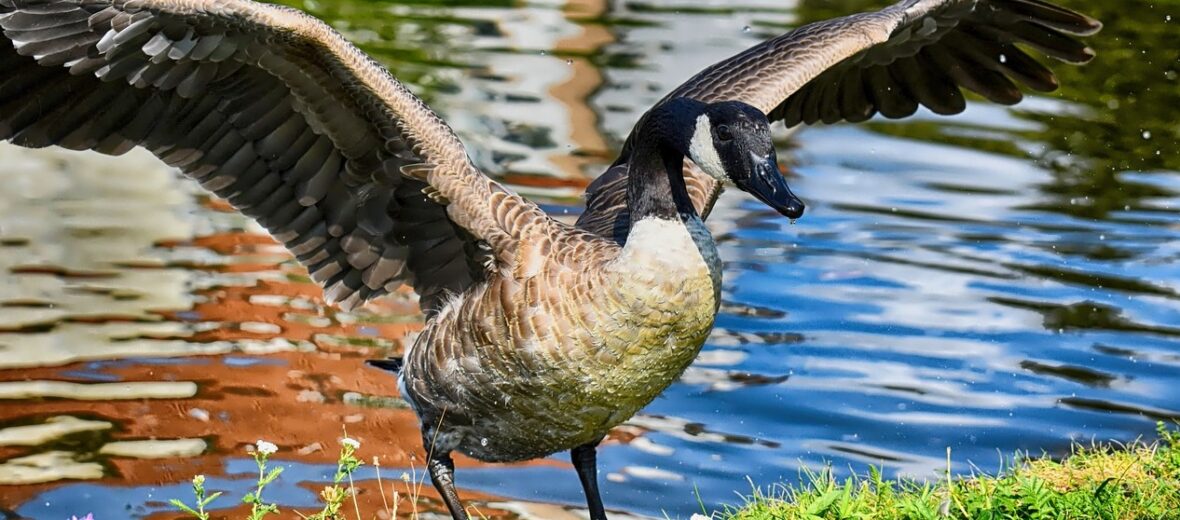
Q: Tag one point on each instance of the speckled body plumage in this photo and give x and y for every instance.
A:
(521, 367)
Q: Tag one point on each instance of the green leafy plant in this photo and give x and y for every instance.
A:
(334, 495)
(198, 510)
(258, 507)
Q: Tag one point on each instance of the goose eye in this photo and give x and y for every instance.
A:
(724, 133)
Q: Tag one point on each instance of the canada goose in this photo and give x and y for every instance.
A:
(540, 336)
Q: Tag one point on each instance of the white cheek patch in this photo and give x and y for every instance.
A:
(703, 153)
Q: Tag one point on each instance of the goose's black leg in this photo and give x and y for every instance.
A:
(585, 458)
(442, 474)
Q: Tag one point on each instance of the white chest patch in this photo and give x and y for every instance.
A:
(703, 153)
(679, 247)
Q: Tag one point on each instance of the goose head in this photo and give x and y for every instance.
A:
(731, 141)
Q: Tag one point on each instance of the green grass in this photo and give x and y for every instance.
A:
(1136, 481)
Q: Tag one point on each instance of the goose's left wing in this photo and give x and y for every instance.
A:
(277, 113)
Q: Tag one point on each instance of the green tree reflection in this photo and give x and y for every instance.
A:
(414, 39)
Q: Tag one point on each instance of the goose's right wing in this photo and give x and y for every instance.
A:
(274, 111)
(915, 52)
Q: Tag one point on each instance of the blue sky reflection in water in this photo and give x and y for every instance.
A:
(1005, 279)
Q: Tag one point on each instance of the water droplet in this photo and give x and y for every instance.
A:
(483, 441)
(1003, 58)
(1147, 134)
(746, 29)
(1167, 18)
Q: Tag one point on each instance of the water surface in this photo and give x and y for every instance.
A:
(1008, 279)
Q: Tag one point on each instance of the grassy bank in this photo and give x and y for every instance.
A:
(1137, 481)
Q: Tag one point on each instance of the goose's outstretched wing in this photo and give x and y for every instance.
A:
(917, 52)
(887, 62)
(272, 110)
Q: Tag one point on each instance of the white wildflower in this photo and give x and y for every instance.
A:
(353, 443)
(405, 477)
(265, 448)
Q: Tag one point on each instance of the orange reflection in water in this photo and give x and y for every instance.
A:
(302, 398)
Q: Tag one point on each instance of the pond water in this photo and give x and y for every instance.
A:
(1008, 279)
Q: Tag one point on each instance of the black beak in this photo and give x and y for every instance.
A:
(769, 185)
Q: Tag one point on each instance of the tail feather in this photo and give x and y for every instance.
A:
(392, 364)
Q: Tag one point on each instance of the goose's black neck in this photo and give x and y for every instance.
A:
(655, 184)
